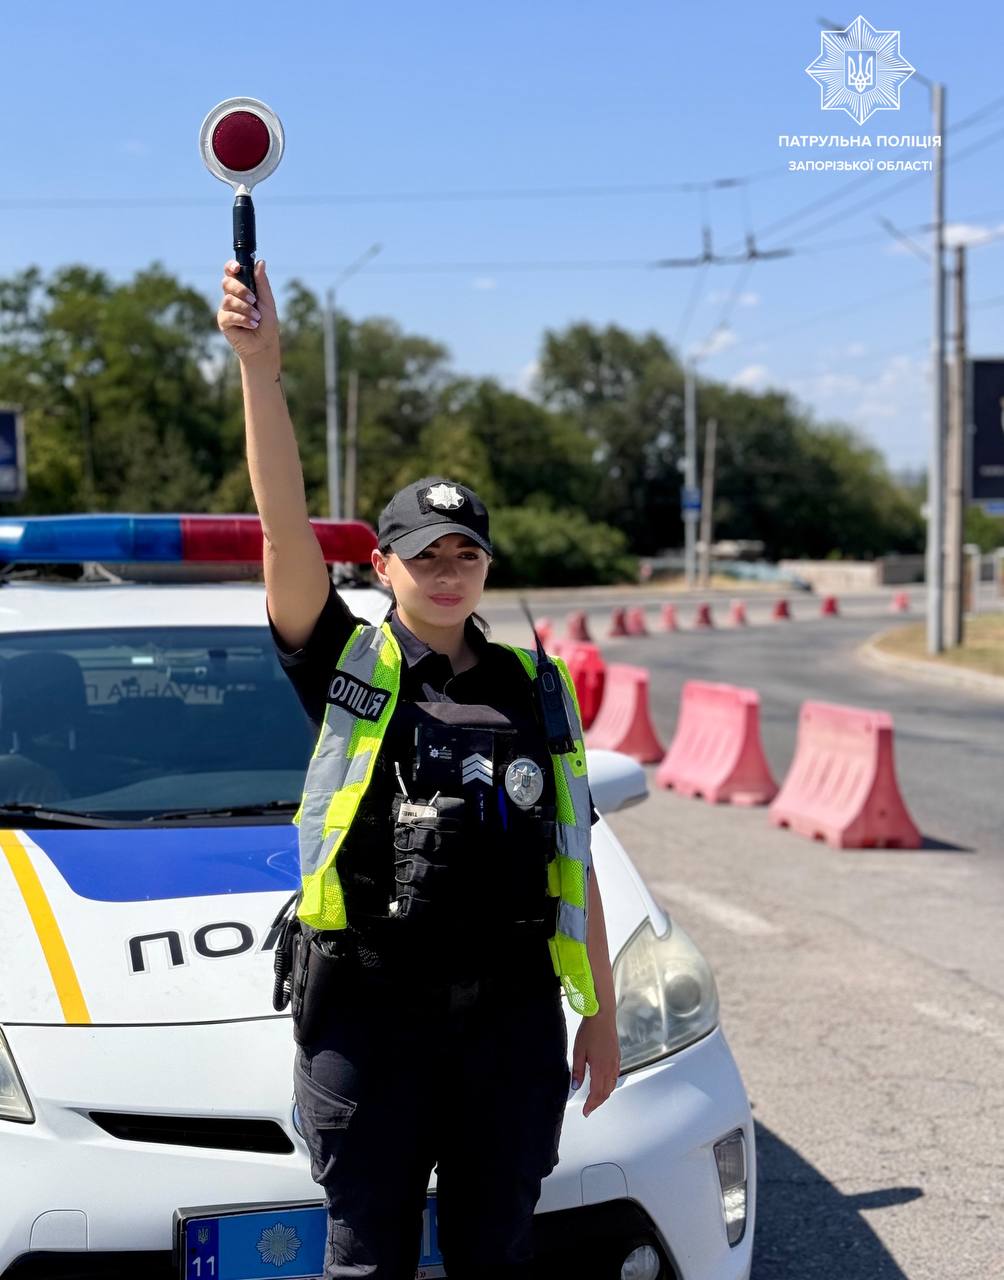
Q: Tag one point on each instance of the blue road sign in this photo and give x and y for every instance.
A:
(12, 460)
(690, 499)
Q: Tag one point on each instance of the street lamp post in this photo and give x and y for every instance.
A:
(331, 383)
(690, 515)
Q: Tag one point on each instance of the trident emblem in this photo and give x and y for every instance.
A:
(203, 1235)
(862, 76)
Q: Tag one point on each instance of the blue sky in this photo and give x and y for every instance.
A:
(393, 105)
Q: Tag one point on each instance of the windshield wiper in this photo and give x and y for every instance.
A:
(59, 817)
(226, 810)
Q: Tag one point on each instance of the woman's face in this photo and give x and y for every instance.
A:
(440, 586)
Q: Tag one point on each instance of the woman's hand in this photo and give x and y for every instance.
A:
(597, 1046)
(248, 322)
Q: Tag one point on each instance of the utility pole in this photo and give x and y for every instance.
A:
(351, 444)
(955, 461)
(690, 514)
(331, 383)
(708, 499)
(331, 404)
(935, 472)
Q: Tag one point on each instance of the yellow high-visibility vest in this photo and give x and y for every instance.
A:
(361, 700)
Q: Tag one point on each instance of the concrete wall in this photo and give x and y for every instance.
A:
(857, 575)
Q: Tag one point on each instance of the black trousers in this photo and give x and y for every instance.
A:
(471, 1080)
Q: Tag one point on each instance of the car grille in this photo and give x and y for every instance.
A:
(195, 1131)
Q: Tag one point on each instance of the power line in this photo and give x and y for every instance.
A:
(393, 197)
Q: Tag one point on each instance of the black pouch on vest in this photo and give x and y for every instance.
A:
(428, 853)
(318, 975)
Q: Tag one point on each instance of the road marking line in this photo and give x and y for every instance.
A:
(57, 957)
(960, 1021)
(735, 919)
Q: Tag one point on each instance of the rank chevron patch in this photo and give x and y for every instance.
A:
(477, 769)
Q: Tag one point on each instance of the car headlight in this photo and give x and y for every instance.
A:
(14, 1104)
(666, 995)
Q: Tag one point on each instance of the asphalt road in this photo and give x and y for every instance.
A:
(862, 991)
(949, 743)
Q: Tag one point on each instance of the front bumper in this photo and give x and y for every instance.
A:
(72, 1192)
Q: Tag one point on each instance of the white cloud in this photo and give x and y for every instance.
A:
(962, 233)
(751, 378)
(747, 299)
(484, 282)
(527, 377)
(134, 147)
(956, 233)
(720, 339)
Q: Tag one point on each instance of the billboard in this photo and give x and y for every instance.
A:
(986, 434)
(12, 462)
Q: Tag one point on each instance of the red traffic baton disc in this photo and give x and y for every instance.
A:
(241, 142)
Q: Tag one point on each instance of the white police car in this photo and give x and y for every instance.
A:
(152, 756)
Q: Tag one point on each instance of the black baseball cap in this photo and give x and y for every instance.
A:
(428, 509)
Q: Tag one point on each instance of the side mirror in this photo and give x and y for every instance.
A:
(616, 780)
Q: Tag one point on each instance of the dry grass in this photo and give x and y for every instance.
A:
(983, 649)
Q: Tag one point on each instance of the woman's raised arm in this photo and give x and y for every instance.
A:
(296, 577)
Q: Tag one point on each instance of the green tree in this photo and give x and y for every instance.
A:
(986, 531)
(625, 394)
(119, 413)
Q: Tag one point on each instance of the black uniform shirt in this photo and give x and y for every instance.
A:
(365, 860)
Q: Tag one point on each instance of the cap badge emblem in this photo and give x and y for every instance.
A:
(444, 497)
(524, 782)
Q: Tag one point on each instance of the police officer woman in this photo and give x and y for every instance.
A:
(447, 891)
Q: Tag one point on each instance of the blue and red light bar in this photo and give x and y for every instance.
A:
(122, 539)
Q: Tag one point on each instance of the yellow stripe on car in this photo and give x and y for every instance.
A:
(57, 957)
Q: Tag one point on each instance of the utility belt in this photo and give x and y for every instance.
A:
(314, 971)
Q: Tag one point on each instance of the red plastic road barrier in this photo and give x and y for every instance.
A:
(618, 627)
(737, 614)
(842, 786)
(624, 722)
(668, 616)
(781, 611)
(576, 628)
(829, 608)
(635, 622)
(716, 751)
(703, 619)
(588, 671)
(545, 631)
(901, 602)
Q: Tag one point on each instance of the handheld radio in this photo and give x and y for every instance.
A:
(550, 698)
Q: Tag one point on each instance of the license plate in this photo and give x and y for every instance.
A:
(252, 1242)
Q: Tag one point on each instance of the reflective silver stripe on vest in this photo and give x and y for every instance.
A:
(574, 842)
(572, 920)
(331, 768)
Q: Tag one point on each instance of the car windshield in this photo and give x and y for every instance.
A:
(140, 721)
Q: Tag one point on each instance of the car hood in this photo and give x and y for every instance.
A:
(173, 924)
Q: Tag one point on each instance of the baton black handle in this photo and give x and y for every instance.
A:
(244, 240)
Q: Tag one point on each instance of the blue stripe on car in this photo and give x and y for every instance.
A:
(173, 862)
